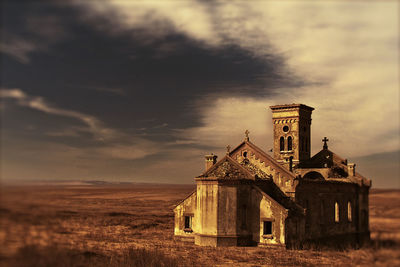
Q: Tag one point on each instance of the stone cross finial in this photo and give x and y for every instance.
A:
(325, 140)
(228, 149)
(247, 135)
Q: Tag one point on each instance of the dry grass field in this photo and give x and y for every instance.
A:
(132, 225)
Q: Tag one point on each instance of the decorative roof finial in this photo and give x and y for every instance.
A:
(325, 140)
(247, 135)
(228, 149)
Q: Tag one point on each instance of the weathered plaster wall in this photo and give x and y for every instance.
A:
(270, 210)
(185, 208)
(227, 210)
(207, 210)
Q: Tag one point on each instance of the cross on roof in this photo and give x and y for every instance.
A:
(247, 134)
(325, 140)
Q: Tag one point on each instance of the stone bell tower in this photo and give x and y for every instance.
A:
(292, 133)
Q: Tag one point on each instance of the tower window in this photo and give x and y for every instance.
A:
(286, 128)
(289, 143)
(336, 212)
(245, 154)
(282, 143)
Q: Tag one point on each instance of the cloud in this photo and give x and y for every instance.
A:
(224, 124)
(36, 102)
(141, 149)
(113, 90)
(37, 34)
(160, 18)
(17, 47)
(348, 51)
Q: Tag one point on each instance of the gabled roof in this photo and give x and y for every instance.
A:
(271, 189)
(265, 157)
(337, 165)
(227, 168)
(183, 200)
(324, 158)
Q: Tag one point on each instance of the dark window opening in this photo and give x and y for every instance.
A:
(245, 154)
(289, 143)
(282, 143)
(286, 129)
(267, 228)
(188, 222)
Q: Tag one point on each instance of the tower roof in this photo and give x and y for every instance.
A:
(291, 106)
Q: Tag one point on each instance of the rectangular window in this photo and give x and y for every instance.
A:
(188, 222)
(267, 228)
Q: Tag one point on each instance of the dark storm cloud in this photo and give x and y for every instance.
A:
(125, 80)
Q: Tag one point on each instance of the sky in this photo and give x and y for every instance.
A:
(140, 91)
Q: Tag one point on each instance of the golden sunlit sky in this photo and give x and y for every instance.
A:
(139, 91)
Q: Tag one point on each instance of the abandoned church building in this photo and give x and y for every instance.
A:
(289, 199)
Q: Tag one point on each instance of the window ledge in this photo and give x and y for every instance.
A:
(268, 236)
(188, 230)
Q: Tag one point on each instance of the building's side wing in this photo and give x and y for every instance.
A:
(185, 216)
(270, 222)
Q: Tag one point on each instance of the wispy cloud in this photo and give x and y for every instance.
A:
(39, 103)
(17, 47)
(112, 90)
(44, 31)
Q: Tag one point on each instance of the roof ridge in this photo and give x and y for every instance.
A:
(270, 158)
(231, 161)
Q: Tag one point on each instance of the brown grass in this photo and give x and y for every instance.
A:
(132, 225)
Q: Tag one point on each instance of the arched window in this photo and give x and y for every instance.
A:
(282, 143)
(289, 143)
(336, 212)
(349, 211)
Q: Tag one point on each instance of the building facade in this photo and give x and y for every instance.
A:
(291, 199)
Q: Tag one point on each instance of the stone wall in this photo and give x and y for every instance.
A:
(323, 220)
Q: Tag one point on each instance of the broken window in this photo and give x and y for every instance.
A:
(289, 143)
(267, 228)
(188, 222)
(349, 211)
(336, 212)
